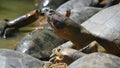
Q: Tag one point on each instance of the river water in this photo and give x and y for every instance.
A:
(11, 9)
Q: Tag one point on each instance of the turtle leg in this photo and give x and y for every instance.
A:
(93, 47)
(9, 32)
(57, 54)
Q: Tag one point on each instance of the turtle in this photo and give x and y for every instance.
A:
(13, 59)
(35, 42)
(100, 31)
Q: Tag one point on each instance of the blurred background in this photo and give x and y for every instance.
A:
(11, 9)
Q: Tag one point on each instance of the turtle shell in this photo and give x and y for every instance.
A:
(97, 60)
(105, 24)
(14, 59)
(39, 43)
(71, 4)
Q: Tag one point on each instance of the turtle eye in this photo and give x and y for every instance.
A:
(58, 24)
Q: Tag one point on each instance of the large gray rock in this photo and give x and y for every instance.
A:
(13, 59)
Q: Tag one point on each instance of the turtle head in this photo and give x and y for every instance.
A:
(62, 24)
(55, 19)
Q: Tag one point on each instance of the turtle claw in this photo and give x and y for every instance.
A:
(8, 32)
(52, 55)
(3, 26)
(56, 55)
(5, 34)
(52, 59)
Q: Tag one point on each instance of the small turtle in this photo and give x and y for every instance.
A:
(14, 59)
(101, 30)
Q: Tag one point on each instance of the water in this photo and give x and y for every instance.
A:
(12, 9)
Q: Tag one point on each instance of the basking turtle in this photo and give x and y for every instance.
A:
(101, 30)
(13, 59)
(35, 43)
(40, 39)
